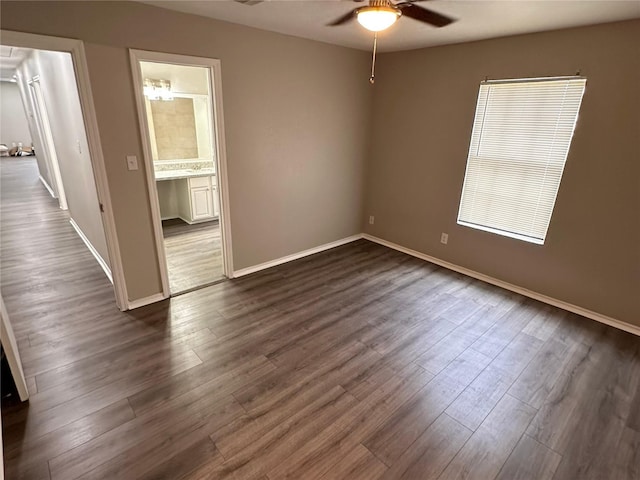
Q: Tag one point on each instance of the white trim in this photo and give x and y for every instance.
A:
(222, 176)
(135, 57)
(504, 233)
(152, 189)
(141, 302)
(295, 256)
(99, 172)
(598, 317)
(92, 249)
(36, 128)
(49, 145)
(10, 346)
(76, 48)
(188, 95)
(46, 185)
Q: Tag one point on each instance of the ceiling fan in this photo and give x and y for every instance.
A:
(379, 15)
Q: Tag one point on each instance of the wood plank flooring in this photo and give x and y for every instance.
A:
(356, 363)
(194, 254)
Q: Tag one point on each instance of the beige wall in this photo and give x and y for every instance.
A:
(296, 118)
(424, 106)
(57, 80)
(298, 131)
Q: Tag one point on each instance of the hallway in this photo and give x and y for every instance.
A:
(63, 312)
(48, 274)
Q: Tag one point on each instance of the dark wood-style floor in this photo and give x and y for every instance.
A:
(356, 363)
(194, 254)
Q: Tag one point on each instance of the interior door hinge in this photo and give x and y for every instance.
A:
(102, 208)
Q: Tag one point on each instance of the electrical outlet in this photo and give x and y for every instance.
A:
(132, 162)
(371, 219)
(444, 238)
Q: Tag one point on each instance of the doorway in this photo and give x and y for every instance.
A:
(179, 108)
(53, 79)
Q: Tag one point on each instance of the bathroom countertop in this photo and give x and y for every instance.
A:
(178, 174)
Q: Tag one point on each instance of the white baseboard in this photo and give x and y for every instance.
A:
(627, 327)
(101, 261)
(141, 302)
(46, 185)
(295, 256)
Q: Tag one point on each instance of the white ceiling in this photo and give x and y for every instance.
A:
(10, 58)
(184, 79)
(477, 19)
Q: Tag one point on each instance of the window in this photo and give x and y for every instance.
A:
(521, 137)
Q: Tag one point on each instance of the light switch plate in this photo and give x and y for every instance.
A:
(132, 162)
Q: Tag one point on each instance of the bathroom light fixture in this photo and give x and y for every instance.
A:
(157, 89)
(378, 18)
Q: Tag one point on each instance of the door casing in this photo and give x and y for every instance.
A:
(215, 78)
(44, 131)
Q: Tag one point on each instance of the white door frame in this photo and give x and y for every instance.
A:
(10, 346)
(215, 77)
(44, 127)
(81, 68)
(28, 103)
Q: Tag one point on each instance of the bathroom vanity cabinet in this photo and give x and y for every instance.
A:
(193, 198)
(197, 199)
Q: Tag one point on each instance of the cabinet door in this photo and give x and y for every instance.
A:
(216, 201)
(201, 204)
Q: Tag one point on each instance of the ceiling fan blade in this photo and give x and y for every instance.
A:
(424, 15)
(344, 19)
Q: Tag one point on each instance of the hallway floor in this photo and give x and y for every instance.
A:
(48, 273)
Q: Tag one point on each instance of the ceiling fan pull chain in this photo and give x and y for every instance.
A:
(372, 79)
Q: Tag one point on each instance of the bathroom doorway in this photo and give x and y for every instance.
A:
(180, 116)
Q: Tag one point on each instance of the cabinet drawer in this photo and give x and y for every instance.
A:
(199, 182)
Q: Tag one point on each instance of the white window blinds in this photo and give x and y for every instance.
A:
(521, 137)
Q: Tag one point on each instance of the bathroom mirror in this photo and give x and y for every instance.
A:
(179, 116)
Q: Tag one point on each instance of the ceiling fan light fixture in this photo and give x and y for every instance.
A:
(377, 19)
